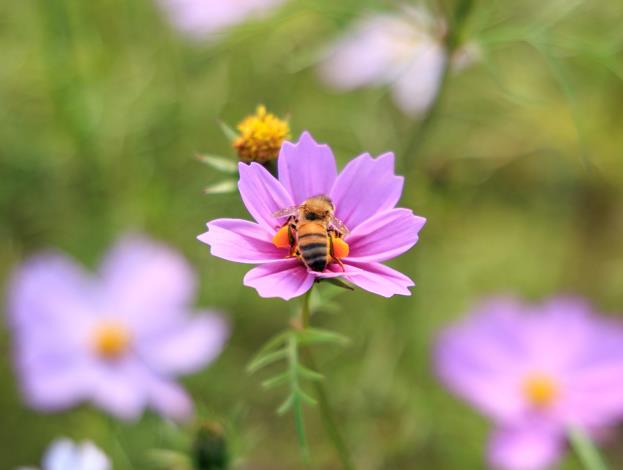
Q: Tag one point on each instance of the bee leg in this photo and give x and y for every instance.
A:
(292, 239)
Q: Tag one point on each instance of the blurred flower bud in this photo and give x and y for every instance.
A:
(261, 136)
(209, 450)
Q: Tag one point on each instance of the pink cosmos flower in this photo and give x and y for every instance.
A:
(201, 18)
(364, 194)
(117, 339)
(535, 371)
(403, 50)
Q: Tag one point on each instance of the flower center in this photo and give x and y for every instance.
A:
(540, 390)
(111, 340)
(261, 136)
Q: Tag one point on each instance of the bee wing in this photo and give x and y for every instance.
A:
(286, 212)
(339, 225)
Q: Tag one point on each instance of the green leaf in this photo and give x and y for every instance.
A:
(266, 359)
(277, 380)
(286, 405)
(225, 186)
(316, 335)
(272, 344)
(222, 164)
(228, 131)
(309, 374)
(307, 398)
(339, 282)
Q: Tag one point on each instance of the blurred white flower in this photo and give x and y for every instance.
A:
(404, 50)
(201, 18)
(64, 454)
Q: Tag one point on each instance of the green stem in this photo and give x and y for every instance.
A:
(326, 413)
(422, 127)
(586, 450)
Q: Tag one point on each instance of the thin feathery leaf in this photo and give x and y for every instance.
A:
(228, 131)
(222, 164)
(266, 359)
(316, 335)
(309, 374)
(222, 187)
(280, 379)
(286, 405)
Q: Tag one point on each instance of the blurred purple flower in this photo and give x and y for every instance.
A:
(535, 371)
(117, 340)
(403, 50)
(201, 18)
(365, 194)
(64, 454)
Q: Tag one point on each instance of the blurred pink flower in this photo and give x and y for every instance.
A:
(403, 50)
(64, 454)
(118, 339)
(365, 194)
(535, 371)
(200, 18)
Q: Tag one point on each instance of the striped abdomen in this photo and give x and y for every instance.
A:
(313, 245)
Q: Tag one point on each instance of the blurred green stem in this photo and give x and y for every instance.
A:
(65, 81)
(326, 413)
(586, 450)
(452, 41)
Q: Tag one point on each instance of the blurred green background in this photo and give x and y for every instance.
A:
(519, 172)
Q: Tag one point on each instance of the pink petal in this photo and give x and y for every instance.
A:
(378, 279)
(51, 387)
(169, 399)
(262, 194)
(482, 360)
(241, 241)
(203, 18)
(364, 55)
(285, 279)
(142, 278)
(365, 187)
(416, 88)
(593, 395)
(48, 290)
(185, 347)
(119, 388)
(530, 447)
(306, 168)
(384, 236)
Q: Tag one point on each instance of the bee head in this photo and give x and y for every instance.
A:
(318, 208)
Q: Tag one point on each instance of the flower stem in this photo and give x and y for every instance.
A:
(452, 42)
(586, 450)
(326, 413)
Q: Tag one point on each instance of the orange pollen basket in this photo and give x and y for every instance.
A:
(111, 340)
(281, 238)
(540, 390)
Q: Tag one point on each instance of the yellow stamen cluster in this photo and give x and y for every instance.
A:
(111, 340)
(261, 136)
(540, 390)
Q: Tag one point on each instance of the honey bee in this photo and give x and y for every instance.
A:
(314, 234)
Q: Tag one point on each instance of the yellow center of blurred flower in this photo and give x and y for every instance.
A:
(111, 340)
(261, 136)
(540, 390)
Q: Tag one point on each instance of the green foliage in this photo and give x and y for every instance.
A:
(104, 107)
(286, 347)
